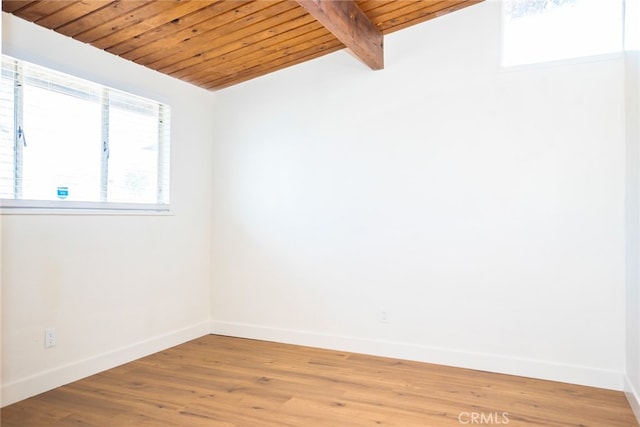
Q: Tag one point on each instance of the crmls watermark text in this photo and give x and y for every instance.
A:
(486, 418)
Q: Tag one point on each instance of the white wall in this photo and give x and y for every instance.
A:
(633, 230)
(483, 209)
(632, 128)
(115, 287)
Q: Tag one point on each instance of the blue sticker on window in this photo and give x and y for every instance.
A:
(63, 192)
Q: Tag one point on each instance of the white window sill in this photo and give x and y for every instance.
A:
(47, 207)
(613, 56)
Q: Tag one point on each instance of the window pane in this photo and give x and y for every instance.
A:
(63, 146)
(550, 30)
(66, 138)
(7, 134)
(133, 151)
(632, 24)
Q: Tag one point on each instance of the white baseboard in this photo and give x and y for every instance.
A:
(47, 380)
(485, 362)
(633, 397)
(61, 375)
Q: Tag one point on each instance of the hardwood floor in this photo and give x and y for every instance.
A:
(218, 381)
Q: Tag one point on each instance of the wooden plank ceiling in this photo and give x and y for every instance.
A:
(214, 44)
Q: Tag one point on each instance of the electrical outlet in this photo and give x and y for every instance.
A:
(50, 338)
(384, 316)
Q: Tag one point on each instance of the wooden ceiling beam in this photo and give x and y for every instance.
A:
(351, 26)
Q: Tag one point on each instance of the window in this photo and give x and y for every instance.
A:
(632, 24)
(551, 30)
(70, 143)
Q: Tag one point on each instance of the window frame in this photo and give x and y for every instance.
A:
(18, 205)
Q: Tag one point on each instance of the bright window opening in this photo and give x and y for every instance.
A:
(67, 142)
(551, 30)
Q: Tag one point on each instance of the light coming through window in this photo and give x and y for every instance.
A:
(67, 142)
(551, 30)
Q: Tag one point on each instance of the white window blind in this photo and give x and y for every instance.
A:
(70, 143)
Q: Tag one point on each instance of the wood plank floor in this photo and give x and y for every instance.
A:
(218, 381)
